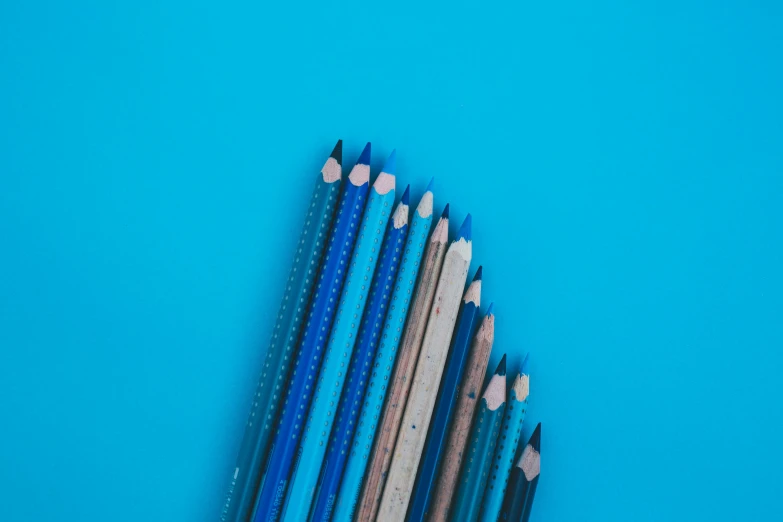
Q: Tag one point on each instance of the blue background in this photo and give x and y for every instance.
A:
(623, 165)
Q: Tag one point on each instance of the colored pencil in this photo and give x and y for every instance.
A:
(465, 410)
(285, 442)
(523, 481)
(358, 458)
(361, 365)
(280, 351)
(386, 436)
(435, 447)
(426, 380)
(508, 440)
(339, 349)
(483, 438)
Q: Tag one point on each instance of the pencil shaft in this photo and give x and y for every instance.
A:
(274, 482)
(444, 408)
(386, 436)
(281, 348)
(339, 350)
(358, 458)
(339, 444)
(426, 380)
(465, 410)
(507, 444)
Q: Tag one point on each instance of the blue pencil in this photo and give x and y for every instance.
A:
(507, 446)
(304, 476)
(351, 483)
(361, 364)
(447, 398)
(280, 351)
(274, 481)
(523, 481)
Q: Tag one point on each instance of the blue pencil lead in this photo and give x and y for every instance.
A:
(491, 308)
(445, 214)
(406, 196)
(501, 369)
(390, 167)
(480, 271)
(535, 438)
(364, 157)
(464, 230)
(523, 369)
(337, 152)
(429, 186)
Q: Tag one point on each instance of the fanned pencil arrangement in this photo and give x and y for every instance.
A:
(369, 405)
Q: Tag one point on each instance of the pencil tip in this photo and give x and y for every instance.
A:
(477, 277)
(406, 196)
(429, 186)
(464, 230)
(337, 152)
(491, 308)
(524, 370)
(445, 214)
(364, 157)
(501, 369)
(535, 438)
(390, 167)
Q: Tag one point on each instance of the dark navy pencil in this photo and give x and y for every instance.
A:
(274, 481)
(361, 365)
(444, 408)
(523, 481)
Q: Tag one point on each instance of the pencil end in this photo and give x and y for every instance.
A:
(337, 152)
(465, 229)
(364, 157)
(445, 213)
(390, 167)
(490, 309)
(523, 370)
(501, 369)
(479, 273)
(535, 438)
(406, 196)
(430, 185)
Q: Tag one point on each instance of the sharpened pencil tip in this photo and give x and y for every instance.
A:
(491, 308)
(464, 230)
(390, 167)
(445, 214)
(430, 184)
(337, 152)
(523, 370)
(364, 157)
(480, 271)
(406, 196)
(535, 438)
(501, 369)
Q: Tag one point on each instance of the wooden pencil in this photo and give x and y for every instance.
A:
(359, 371)
(469, 396)
(503, 461)
(274, 480)
(523, 481)
(426, 379)
(280, 351)
(372, 407)
(386, 436)
(435, 447)
(342, 340)
(483, 438)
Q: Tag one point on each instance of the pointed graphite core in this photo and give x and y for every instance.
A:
(429, 186)
(364, 158)
(337, 152)
(491, 308)
(523, 370)
(406, 196)
(390, 167)
(480, 271)
(445, 214)
(501, 369)
(464, 230)
(535, 438)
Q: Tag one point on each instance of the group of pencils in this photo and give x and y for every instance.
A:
(369, 405)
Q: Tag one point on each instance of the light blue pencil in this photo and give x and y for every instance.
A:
(506, 446)
(339, 349)
(358, 459)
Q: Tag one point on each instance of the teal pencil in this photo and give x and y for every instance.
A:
(358, 460)
(280, 352)
(507, 446)
(339, 349)
(483, 438)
